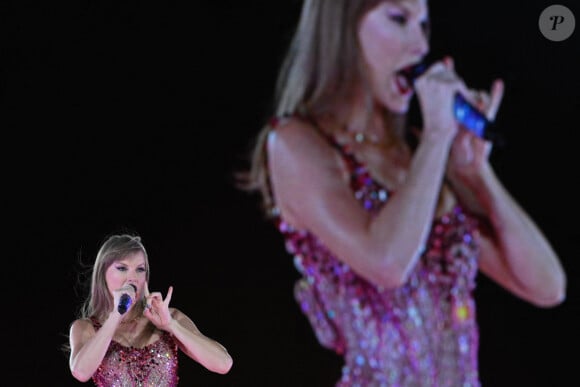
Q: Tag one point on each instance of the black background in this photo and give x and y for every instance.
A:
(132, 115)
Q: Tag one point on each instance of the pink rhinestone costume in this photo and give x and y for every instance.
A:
(154, 365)
(422, 334)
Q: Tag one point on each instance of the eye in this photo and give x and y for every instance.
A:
(426, 26)
(141, 270)
(398, 18)
(121, 268)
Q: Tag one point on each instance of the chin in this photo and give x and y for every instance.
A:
(396, 102)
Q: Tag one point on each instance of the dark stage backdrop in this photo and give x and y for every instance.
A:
(131, 115)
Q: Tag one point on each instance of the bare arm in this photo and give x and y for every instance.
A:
(88, 348)
(208, 352)
(517, 254)
(313, 193)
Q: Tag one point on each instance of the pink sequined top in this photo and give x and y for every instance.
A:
(154, 365)
(422, 334)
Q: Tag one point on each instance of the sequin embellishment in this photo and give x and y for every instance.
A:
(422, 334)
(154, 365)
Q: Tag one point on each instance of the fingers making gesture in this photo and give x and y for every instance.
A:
(157, 308)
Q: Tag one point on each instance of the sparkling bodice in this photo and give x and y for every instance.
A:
(154, 365)
(422, 334)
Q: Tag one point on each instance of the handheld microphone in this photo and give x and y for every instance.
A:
(125, 301)
(465, 113)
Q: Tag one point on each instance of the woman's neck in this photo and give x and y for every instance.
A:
(356, 120)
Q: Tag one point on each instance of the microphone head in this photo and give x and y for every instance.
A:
(125, 301)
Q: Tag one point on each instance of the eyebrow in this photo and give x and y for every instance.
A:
(410, 6)
(407, 3)
(121, 262)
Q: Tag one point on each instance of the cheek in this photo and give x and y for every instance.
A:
(369, 44)
(379, 49)
(113, 278)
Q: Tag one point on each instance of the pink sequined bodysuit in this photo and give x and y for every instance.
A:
(422, 334)
(154, 365)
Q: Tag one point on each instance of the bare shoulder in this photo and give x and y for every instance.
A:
(287, 126)
(82, 324)
(298, 139)
(81, 329)
(305, 170)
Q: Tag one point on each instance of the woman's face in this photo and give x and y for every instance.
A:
(392, 36)
(130, 269)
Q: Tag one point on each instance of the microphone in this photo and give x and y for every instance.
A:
(125, 301)
(465, 113)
